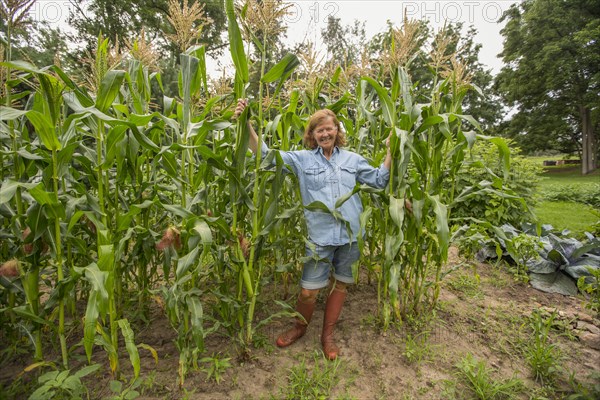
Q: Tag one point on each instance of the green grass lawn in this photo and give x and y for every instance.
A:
(569, 175)
(565, 213)
(576, 217)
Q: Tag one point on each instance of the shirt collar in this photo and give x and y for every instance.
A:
(319, 149)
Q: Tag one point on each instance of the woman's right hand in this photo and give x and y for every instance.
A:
(239, 109)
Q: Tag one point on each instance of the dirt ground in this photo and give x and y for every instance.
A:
(482, 311)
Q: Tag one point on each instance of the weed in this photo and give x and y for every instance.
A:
(317, 383)
(583, 390)
(62, 384)
(346, 396)
(417, 348)
(480, 384)
(591, 286)
(216, 367)
(467, 284)
(543, 357)
(523, 248)
(127, 393)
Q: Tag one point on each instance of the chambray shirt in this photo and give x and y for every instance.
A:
(326, 181)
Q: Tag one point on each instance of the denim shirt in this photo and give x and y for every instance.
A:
(328, 180)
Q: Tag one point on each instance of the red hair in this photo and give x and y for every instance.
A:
(315, 120)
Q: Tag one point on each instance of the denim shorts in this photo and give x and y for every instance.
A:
(320, 259)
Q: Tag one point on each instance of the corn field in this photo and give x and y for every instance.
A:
(116, 196)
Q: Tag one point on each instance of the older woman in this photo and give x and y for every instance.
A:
(325, 173)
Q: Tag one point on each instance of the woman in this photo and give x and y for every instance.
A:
(325, 173)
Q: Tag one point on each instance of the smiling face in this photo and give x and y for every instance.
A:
(325, 135)
(324, 130)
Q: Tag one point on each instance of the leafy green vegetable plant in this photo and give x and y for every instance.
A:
(63, 384)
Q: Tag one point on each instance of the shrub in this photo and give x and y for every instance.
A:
(582, 193)
(491, 199)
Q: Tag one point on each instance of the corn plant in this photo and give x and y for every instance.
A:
(428, 144)
(117, 191)
(262, 204)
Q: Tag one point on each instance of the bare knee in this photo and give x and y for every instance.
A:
(308, 295)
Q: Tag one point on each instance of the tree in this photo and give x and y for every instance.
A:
(552, 73)
(123, 20)
(345, 44)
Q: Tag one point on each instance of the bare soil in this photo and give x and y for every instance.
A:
(482, 311)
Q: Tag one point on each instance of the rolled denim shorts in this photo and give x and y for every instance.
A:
(317, 269)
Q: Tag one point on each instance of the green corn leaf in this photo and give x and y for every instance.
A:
(49, 199)
(190, 83)
(142, 139)
(342, 199)
(51, 90)
(23, 66)
(470, 137)
(236, 44)
(395, 89)
(40, 195)
(9, 188)
(178, 210)
(441, 219)
(45, 129)
(81, 95)
(196, 320)
(37, 221)
(504, 151)
(132, 350)
(318, 206)
(203, 230)
(106, 258)
(405, 89)
(387, 106)
(242, 139)
(9, 113)
(114, 142)
(98, 295)
(430, 121)
(170, 164)
(395, 269)
(109, 89)
(470, 119)
(340, 104)
(364, 220)
(392, 245)
(25, 312)
(200, 130)
(142, 119)
(397, 211)
(283, 69)
(85, 371)
(186, 262)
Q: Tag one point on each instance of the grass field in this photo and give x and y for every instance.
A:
(569, 188)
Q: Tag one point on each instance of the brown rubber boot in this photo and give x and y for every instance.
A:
(333, 309)
(305, 309)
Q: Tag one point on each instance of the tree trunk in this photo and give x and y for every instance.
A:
(588, 145)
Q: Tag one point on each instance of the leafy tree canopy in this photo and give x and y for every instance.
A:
(552, 75)
(121, 20)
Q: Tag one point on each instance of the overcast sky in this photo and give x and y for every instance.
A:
(308, 17)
